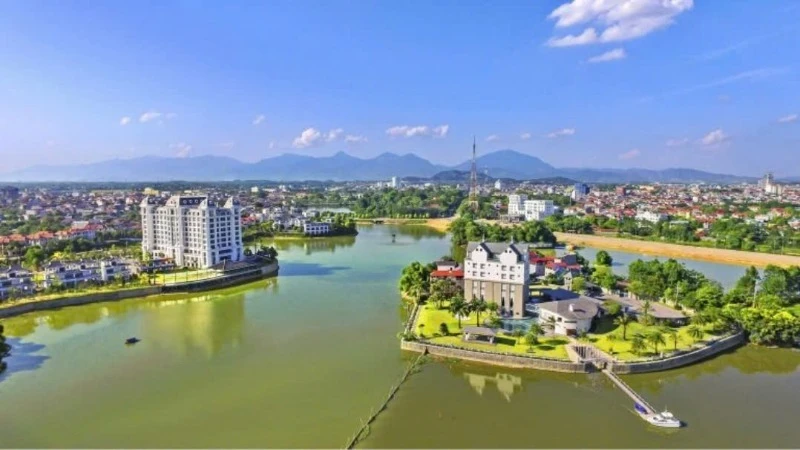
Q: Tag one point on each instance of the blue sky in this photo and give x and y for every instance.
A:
(662, 83)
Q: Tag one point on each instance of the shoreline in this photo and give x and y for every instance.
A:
(663, 249)
(205, 285)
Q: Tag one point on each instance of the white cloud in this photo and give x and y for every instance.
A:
(788, 119)
(418, 130)
(124, 121)
(525, 136)
(587, 37)
(622, 19)
(677, 142)
(441, 131)
(492, 138)
(149, 116)
(631, 154)
(715, 137)
(182, 149)
(307, 138)
(333, 134)
(611, 55)
(561, 132)
(259, 119)
(353, 139)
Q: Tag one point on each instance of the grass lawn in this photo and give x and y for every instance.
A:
(431, 318)
(605, 327)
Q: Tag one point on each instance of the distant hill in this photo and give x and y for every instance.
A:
(501, 164)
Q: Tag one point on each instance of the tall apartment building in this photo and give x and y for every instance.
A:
(579, 191)
(192, 231)
(516, 204)
(538, 209)
(498, 273)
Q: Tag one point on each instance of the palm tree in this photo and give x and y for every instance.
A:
(646, 310)
(673, 336)
(478, 306)
(550, 324)
(623, 320)
(637, 344)
(493, 308)
(696, 332)
(656, 338)
(458, 307)
(517, 333)
(532, 337)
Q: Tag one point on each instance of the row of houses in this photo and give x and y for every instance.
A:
(86, 231)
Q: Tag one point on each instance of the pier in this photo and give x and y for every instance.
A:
(629, 391)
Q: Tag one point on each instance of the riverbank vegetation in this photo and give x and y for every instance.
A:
(5, 349)
(763, 305)
(423, 203)
(465, 229)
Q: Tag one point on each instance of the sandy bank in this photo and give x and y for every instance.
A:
(679, 251)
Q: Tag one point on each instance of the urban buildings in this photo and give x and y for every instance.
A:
(651, 216)
(516, 204)
(538, 209)
(579, 191)
(498, 273)
(192, 231)
(770, 187)
(316, 228)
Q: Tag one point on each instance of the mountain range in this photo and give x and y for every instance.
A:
(508, 164)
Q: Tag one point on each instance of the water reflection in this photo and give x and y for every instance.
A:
(505, 383)
(23, 357)
(298, 269)
(313, 245)
(204, 325)
(746, 360)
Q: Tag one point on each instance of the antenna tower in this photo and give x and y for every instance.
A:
(473, 182)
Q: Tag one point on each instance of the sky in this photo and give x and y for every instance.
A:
(704, 84)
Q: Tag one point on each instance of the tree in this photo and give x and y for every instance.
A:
(656, 338)
(550, 323)
(5, 349)
(623, 320)
(612, 308)
(517, 333)
(443, 329)
(478, 306)
(458, 308)
(646, 318)
(415, 280)
(578, 284)
(493, 309)
(34, 257)
(672, 334)
(603, 258)
(638, 344)
(532, 336)
(695, 332)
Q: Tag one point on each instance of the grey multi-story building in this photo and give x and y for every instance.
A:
(499, 273)
(192, 231)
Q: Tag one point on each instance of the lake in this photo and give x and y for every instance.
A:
(300, 360)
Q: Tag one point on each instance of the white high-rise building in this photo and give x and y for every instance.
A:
(191, 231)
(538, 209)
(393, 183)
(516, 204)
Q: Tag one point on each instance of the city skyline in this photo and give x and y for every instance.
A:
(661, 84)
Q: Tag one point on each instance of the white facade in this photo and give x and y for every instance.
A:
(507, 267)
(538, 209)
(516, 204)
(498, 185)
(316, 228)
(651, 216)
(393, 183)
(191, 231)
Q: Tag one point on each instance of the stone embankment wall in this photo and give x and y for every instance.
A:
(681, 360)
(497, 359)
(191, 286)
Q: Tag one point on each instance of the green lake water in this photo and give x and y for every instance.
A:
(300, 360)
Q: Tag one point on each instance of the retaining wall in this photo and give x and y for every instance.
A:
(496, 358)
(112, 296)
(681, 360)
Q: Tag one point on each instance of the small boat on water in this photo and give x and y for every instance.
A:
(663, 419)
(131, 341)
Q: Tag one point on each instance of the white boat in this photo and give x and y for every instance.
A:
(664, 420)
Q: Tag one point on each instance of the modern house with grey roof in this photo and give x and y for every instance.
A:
(569, 316)
(498, 272)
